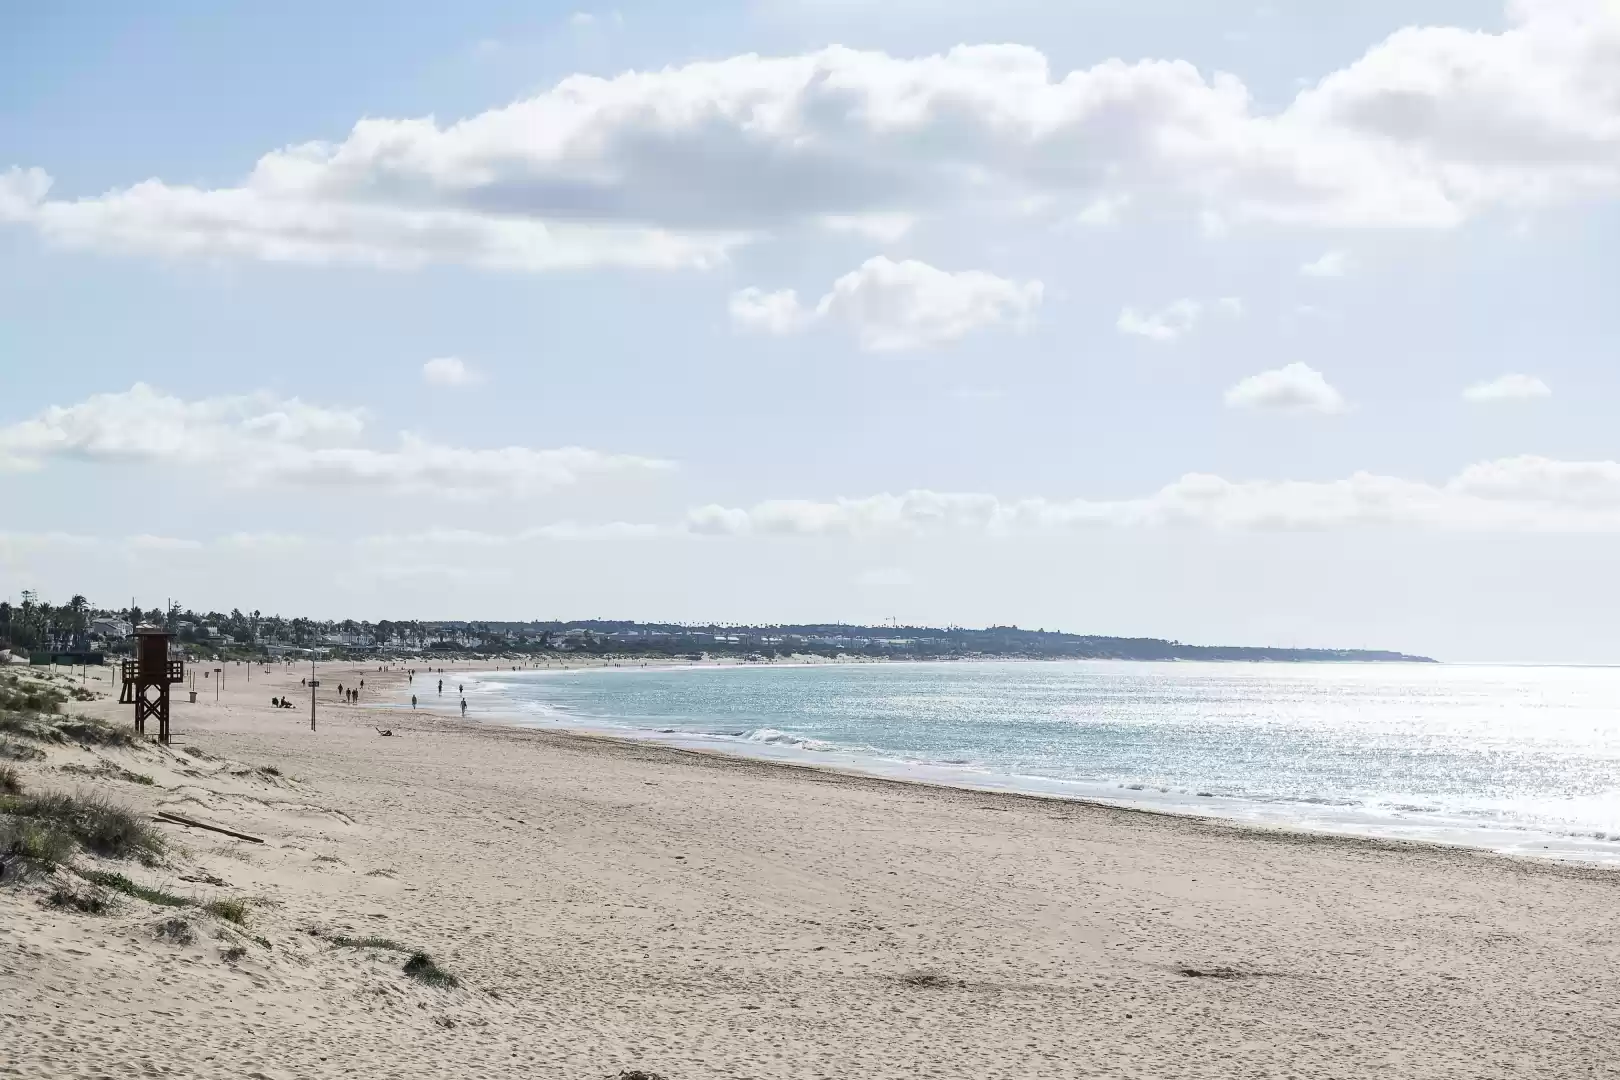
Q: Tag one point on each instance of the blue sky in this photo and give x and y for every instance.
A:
(1226, 322)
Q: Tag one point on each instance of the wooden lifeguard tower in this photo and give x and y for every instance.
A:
(147, 678)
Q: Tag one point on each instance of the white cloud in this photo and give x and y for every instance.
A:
(672, 167)
(1166, 324)
(885, 228)
(895, 306)
(1104, 210)
(759, 312)
(1294, 388)
(1523, 494)
(261, 439)
(1508, 388)
(1329, 264)
(581, 19)
(450, 371)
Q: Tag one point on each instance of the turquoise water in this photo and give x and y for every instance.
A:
(1520, 759)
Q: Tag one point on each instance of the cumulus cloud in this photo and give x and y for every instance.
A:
(1508, 388)
(1296, 387)
(1330, 264)
(673, 167)
(894, 306)
(449, 371)
(261, 439)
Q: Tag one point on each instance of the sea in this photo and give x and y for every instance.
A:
(1515, 759)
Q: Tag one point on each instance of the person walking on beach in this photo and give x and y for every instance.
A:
(441, 686)
(464, 708)
(413, 701)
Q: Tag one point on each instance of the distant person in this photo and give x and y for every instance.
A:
(413, 701)
(441, 686)
(463, 707)
(460, 689)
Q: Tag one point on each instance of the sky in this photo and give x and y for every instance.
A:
(1223, 322)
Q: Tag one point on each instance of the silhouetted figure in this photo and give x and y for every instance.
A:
(413, 701)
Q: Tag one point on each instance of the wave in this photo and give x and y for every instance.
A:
(773, 737)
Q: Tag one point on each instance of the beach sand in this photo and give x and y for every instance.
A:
(610, 905)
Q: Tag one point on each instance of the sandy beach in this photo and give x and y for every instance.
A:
(609, 905)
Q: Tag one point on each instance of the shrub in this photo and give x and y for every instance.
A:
(87, 732)
(10, 782)
(232, 909)
(176, 930)
(422, 968)
(119, 883)
(17, 751)
(370, 943)
(89, 901)
(36, 842)
(103, 827)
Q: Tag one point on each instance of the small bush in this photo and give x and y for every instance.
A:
(119, 883)
(422, 968)
(87, 732)
(232, 909)
(233, 954)
(269, 770)
(36, 842)
(16, 751)
(10, 782)
(103, 827)
(177, 931)
(20, 697)
(89, 901)
(370, 943)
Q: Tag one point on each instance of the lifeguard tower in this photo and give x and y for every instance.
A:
(147, 678)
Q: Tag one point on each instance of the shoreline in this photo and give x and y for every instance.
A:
(610, 904)
(1303, 816)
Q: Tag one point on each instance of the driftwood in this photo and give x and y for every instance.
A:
(179, 819)
(384, 731)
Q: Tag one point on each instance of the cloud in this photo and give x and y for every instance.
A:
(1294, 388)
(449, 371)
(896, 306)
(581, 19)
(1508, 388)
(1175, 320)
(1329, 264)
(1522, 494)
(673, 167)
(260, 439)
(778, 313)
(1103, 210)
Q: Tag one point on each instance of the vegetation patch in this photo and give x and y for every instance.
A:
(107, 770)
(26, 845)
(13, 750)
(269, 770)
(119, 883)
(70, 898)
(930, 980)
(87, 732)
(232, 909)
(99, 825)
(233, 954)
(422, 968)
(10, 782)
(373, 943)
(177, 931)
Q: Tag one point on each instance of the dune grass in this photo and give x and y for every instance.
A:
(107, 879)
(232, 909)
(70, 898)
(422, 968)
(10, 782)
(369, 943)
(93, 821)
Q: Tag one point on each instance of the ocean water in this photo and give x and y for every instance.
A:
(1519, 759)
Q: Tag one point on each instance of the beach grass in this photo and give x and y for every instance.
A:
(108, 879)
(101, 826)
(421, 967)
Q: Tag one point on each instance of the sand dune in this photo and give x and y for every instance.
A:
(609, 906)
